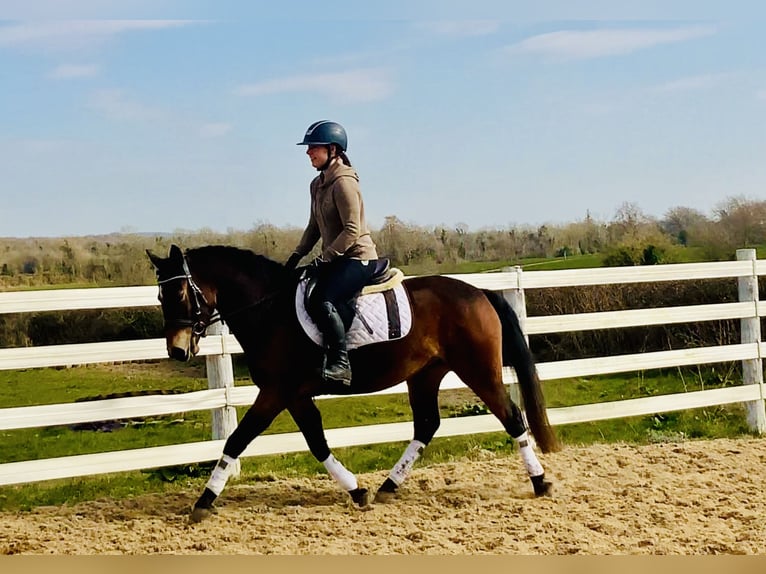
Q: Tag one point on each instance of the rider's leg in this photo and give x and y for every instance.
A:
(336, 365)
(339, 282)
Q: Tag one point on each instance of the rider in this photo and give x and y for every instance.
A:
(348, 251)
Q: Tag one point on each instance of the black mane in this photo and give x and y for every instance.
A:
(237, 255)
(244, 261)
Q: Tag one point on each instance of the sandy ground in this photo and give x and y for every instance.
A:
(694, 497)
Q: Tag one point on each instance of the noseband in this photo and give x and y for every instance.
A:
(197, 323)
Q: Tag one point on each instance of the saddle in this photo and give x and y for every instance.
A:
(382, 308)
(383, 277)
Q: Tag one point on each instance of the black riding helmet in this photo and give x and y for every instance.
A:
(325, 132)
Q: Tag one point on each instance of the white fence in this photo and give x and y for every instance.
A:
(223, 397)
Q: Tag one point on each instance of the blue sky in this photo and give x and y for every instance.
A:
(169, 115)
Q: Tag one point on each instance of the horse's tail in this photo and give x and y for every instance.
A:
(516, 354)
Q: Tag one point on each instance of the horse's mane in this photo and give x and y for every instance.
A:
(243, 260)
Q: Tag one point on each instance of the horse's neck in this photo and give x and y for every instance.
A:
(242, 293)
(256, 302)
(233, 295)
(255, 325)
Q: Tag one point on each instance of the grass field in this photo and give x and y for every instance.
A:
(589, 260)
(532, 263)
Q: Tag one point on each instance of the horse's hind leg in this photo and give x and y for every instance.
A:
(485, 379)
(423, 393)
(309, 420)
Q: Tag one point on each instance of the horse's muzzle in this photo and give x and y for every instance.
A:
(182, 345)
(178, 353)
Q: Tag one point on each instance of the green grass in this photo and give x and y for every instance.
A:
(433, 268)
(54, 385)
(571, 262)
(529, 264)
(677, 254)
(58, 286)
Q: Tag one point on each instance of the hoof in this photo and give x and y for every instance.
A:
(360, 496)
(199, 514)
(545, 490)
(542, 487)
(384, 497)
(386, 492)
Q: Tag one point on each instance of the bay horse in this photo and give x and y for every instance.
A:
(455, 327)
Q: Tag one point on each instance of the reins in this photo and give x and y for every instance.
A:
(216, 317)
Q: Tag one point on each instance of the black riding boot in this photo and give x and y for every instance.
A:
(336, 364)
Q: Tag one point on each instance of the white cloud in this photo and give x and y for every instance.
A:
(215, 130)
(460, 28)
(584, 44)
(691, 83)
(363, 85)
(114, 105)
(67, 71)
(761, 94)
(66, 34)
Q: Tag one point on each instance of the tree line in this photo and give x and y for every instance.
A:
(630, 238)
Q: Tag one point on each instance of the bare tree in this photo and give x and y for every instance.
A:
(679, 222)
(743, 219)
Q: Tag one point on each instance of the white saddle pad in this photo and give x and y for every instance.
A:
(371, 307)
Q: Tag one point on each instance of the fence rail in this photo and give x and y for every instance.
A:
(222, 397)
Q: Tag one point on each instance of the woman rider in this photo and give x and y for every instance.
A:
(348, 252)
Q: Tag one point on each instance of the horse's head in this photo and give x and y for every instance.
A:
(186, 306)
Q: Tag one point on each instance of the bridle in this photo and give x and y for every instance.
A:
(198, 324)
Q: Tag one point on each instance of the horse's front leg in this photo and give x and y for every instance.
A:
(257, 419)
(309, 421)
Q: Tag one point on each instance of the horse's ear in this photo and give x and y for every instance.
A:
(175, 252)
(154, 258)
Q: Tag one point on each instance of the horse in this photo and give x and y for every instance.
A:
(454, 327)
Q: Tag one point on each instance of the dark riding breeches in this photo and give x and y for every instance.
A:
(338, 282)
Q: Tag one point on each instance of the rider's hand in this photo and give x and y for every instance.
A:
(316, 263)
(292, 261)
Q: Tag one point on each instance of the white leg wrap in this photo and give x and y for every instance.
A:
(404, 465)
(220, 474)
(534, 468)
(342, 476)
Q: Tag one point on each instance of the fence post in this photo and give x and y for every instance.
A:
(752, 369)
(517, 300)
(220, 375)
